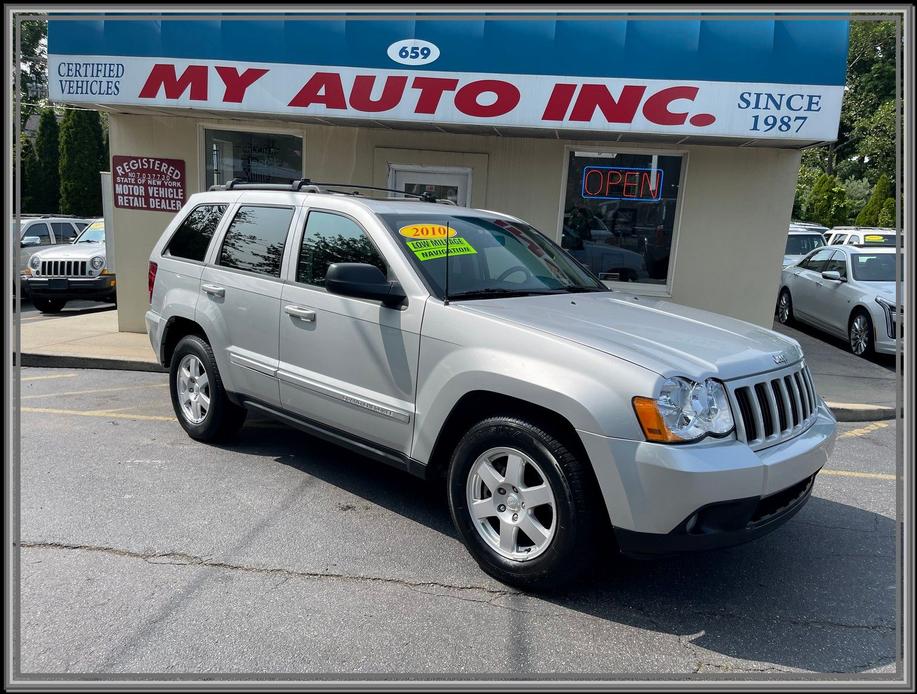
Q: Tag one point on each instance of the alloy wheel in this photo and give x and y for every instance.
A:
(193, 389)
(511, 503)
(859, 335)
(783, 308)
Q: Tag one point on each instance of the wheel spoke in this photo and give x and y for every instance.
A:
(534, 530)
(196, 409)
(483, 509)
(490, 477)
(508, 533)
(514, 466)
(202, 381)
(536, 496)
(205, 401)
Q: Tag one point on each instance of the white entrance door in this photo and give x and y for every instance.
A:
(447, 182)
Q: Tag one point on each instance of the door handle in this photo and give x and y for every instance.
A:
(300, 312)
(213, 290)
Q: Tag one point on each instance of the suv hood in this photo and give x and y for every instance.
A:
(71, 251)
(659, 335)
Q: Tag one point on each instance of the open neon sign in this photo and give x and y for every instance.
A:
(621, 183)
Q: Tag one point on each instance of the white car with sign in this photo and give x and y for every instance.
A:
(60, 274)
(847, 291)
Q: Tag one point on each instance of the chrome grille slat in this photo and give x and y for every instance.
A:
(788, 399)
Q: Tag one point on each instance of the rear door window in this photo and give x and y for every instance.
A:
(193, 236)
(255, 239)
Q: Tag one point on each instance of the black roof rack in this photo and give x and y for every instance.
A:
(305, 185)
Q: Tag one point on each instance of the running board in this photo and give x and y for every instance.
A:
(340, 438)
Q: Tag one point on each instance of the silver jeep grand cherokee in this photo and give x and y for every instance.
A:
(463, 345)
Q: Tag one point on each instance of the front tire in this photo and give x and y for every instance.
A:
(785, 307)
(860, 334)
(524, 504)
(48, 305)
(198, 397)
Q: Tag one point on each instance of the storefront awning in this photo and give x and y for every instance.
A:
(762, 78)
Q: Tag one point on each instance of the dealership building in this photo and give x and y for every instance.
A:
(662, 152)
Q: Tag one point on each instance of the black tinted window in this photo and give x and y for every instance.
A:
(331, 238)
(817, 261)
(838, 263)
(41, 231)
(193, 236)
(81, 225)
(255, 239)
(801, 244)
(63, 232)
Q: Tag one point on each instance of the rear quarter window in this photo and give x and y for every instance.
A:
(192, 239)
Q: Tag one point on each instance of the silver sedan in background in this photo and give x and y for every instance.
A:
(847, 291)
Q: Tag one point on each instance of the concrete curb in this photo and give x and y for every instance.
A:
(64, 361)
(855, 412)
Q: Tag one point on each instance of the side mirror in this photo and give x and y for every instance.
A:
(832, 275)
(363, 281)
(29, 241)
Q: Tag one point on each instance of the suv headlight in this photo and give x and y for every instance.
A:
(34, 262)
(685, 411)
(97, 263)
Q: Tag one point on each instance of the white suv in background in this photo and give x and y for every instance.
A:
(567, 421)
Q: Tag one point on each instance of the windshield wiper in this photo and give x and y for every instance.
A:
(492, 292)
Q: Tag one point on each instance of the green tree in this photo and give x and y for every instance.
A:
(46, 194)
(28, 167)
(869, 215)
(828, 202)
(33, 66)
(808, 175)
(857, 190)
(876, 146)
(80, 154)
(887, 214)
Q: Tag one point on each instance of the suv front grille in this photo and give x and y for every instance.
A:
(64, 268)
(774, 407)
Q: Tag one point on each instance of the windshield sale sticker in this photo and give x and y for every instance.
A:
(431, 249)
(426, 231)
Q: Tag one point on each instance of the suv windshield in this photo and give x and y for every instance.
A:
(800, 244)
(94, 233)
(873, 267)
(487, 257)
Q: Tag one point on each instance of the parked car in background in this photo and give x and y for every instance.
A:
(812, 226)
(848, 291)
(59, 274)
(568, 421)
(800, 241)
(45, 230)
(862, 236)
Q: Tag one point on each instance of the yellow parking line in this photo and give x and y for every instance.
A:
(105, 414)
(95, 390)
(875, 426)
(866, 475)
(46, 378)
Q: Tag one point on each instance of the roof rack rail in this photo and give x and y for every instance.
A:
(305, 185)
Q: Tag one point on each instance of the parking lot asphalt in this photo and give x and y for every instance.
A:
(143, 551)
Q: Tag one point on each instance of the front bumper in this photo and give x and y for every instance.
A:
(101, 287)
(663, 498)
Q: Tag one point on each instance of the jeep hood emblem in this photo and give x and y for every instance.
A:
(779, 358)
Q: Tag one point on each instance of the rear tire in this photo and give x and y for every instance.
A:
(48, 305)
(198, 396)
(500, 466)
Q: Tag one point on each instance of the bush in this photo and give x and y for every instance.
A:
(80, 157)
(828, 202)
(887, 214)
(869, 215)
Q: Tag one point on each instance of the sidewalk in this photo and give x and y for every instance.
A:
(85, 340)
(856, 389)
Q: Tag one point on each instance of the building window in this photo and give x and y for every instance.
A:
(253, 157)
(255, 239)
(619, 213)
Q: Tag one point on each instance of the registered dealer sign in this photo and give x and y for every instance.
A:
(148, 183)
